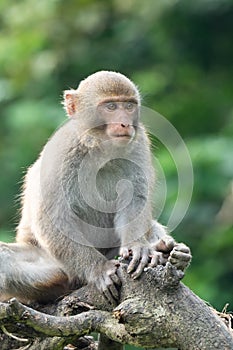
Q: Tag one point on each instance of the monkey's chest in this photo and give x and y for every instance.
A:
(100, 198)
(97, 197)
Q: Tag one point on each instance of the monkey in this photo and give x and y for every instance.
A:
(87, 200)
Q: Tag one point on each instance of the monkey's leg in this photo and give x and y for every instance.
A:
(28, 273)
(107, 344)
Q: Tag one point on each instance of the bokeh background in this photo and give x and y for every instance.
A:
(180, 54)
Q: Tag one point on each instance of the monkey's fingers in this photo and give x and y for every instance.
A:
(180, 259)
(143, 263)
(110, 291)
(109, 297)
(112, 272)
(125, 253)
(139, 260)
(170, 242)
(165, 244)
(158, 258)
(116, 280)
(135, 259)
(182, 248)
(114, 292)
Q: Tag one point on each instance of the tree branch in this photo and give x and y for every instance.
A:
(154, 311)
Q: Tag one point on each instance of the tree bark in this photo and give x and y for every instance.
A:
(155, 311)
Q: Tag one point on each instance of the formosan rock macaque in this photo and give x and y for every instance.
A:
(87, 200)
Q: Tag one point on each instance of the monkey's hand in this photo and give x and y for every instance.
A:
(161, 250)
(180, 256)
(140, 256)
(106, 280)
(166, 249)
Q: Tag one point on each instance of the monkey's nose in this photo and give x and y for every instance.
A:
(125, 125)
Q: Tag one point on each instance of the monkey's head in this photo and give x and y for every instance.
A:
(109, 102)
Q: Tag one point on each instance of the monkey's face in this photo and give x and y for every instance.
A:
(118, 118)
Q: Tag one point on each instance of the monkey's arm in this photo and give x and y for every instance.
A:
(131, 229)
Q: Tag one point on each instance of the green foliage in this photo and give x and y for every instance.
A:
(211, 239)
(178, 52)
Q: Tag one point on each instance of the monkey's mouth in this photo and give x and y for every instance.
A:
(127, 136)
(121, 138)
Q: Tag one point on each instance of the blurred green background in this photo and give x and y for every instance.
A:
(180, 54)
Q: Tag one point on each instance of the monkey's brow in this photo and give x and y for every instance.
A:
(119, 99)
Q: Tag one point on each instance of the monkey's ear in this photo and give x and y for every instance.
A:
(70, 102)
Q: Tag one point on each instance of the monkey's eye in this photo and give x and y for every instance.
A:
(111, 106)
(130, 106)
